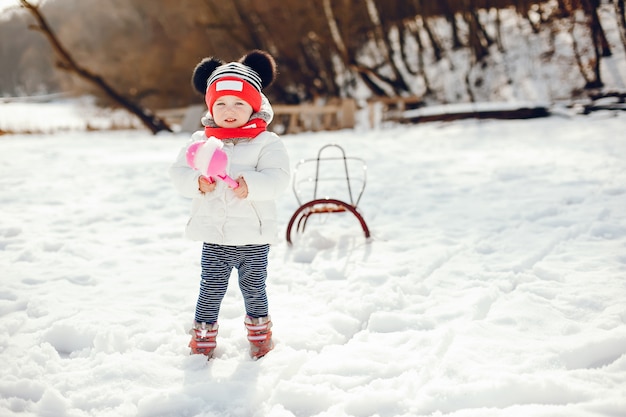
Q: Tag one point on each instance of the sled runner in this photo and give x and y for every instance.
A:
(335, 170)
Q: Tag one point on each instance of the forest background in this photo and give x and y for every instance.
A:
(447, 51)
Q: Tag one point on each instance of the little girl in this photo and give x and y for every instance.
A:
(236, 225)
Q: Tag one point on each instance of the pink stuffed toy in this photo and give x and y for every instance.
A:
(208, 157)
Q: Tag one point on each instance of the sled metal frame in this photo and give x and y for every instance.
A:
(326, 205)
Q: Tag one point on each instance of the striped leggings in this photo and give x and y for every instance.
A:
(218, 262)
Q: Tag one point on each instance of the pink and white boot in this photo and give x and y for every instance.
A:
(203, 339)
(259, 335)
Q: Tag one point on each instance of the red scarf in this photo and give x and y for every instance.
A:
(250, 130)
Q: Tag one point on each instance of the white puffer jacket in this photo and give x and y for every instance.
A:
(222, 218)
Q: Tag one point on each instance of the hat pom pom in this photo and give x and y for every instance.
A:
(264, 65)
(202, 72)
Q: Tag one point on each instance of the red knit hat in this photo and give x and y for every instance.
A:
(231, 85)
(243, 79)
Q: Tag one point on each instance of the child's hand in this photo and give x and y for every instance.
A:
(204, 185)
(242, 190)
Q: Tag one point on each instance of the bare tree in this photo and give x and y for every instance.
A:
(67, 62)
(324, 49)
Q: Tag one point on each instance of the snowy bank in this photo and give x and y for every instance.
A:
(493, 284)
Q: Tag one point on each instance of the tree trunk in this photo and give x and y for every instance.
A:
(476, 44)
(381, 33)
(600, 44)
(451, 18)
(405, 32)
(579, 59)
(335, 34)
(620, 10)
(597, 31)
(481, 29)
(437, 48)
(415, 30)
(499, 32)
(67, 62)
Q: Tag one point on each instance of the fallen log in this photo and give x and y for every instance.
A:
(451, 112)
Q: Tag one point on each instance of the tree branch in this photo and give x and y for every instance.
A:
(67, 62)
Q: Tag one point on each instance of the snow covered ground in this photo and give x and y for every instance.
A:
(494, 283)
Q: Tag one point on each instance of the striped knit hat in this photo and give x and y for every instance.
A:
(244, 79)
